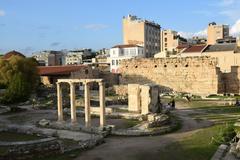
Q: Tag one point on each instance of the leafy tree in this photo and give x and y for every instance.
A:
(20, 77)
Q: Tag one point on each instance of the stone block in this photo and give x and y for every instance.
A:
(134, 97)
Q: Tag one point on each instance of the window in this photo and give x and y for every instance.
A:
(165, 39)
(116, 62)
(113, 62)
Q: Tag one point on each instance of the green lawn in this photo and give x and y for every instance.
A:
(218, 114)
(198, 146)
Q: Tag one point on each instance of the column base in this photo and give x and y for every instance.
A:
(88, 125)
(60, 121)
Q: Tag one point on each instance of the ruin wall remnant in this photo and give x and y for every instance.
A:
(196, 75)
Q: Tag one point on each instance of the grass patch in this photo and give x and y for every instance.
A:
(13, 137)
(218, 114)
(128, 123)
(194, 147)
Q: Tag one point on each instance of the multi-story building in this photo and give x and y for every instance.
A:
(121, 52)
(170, 40)
(216, 32)
(75, 57)
(142, 33)
(50, 58)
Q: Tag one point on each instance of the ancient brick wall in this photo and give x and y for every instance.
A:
(196, 75)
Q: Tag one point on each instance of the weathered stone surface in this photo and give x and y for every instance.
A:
(149, 98)
(134, 97)
(157, 120)
(222, 149)
(44, 122)
(197, 75)
(143, 98)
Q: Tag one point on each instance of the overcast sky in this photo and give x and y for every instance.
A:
(33, 25)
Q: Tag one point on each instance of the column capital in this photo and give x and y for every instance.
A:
(101, 83)
(71, 83)
(85, 82)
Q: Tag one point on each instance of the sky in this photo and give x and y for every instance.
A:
(33, 25)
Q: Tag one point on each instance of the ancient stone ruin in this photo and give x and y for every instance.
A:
(143, 98)
(86, 83)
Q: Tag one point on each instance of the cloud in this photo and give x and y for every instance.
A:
(54, 44)
(235, 29)
(2, 13)
(95, 27)
(232, 14)
(225, 3)
(202, 33)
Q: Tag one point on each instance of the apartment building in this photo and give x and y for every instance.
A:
(75, 57)
(143, 33)
(121, 52)
(170, 40)
(50, 58)
(216, 32)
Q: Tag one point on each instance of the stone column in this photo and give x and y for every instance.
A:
(59, 98)
(87, 105)
(102, 103)
(72, 100)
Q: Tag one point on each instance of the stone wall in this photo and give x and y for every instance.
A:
(31, 149)
(196, 75)
(231, 81)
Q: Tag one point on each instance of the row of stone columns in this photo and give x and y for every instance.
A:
(87, 103)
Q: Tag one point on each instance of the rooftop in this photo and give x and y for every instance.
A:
(58, 70)
(126, 46)
(12, 53)
(221, 47)
(195, 48)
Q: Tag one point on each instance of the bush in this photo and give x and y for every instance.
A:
(225, 135)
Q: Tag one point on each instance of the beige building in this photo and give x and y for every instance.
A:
(216, 32)
(142, 32)
(170, 40)
(227, 54)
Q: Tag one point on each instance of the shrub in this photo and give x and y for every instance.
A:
(225, 135)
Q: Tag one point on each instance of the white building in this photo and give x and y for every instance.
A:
(121, 52)
(75, 57)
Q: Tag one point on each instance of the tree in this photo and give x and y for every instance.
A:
(20, 77)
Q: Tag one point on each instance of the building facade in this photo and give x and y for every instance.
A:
(143, 33)
(121, 52)
(75, 57)
(50, 58)
(216, 32)
(170, 40)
